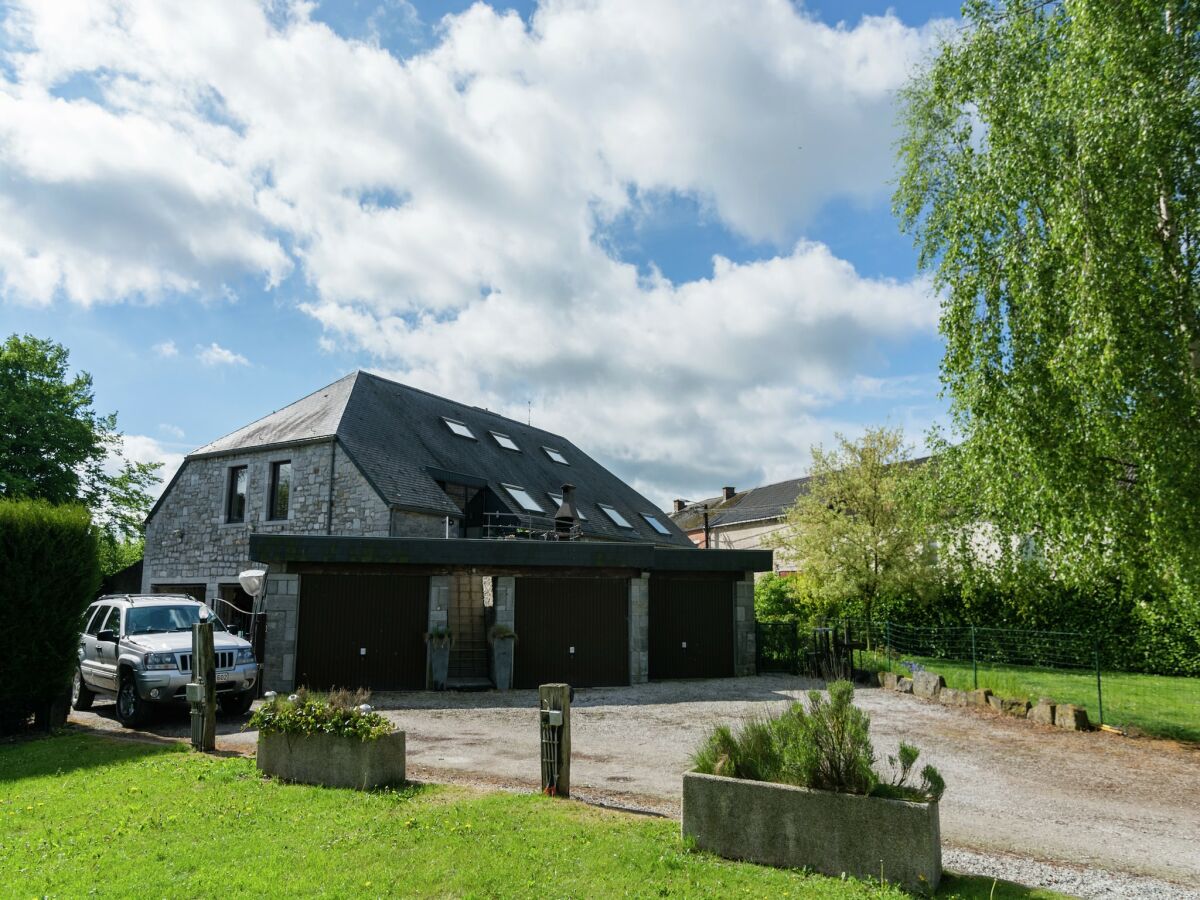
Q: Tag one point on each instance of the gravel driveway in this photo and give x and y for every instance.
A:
(1107, 816)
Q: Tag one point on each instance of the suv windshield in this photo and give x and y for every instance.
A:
(161, 619)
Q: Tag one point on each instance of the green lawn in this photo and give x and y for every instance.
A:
(85, 815)
(1158, 705)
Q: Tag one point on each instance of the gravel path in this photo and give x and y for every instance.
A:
(1092, 815)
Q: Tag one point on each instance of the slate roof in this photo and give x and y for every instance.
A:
(396, 435)
(771, 501)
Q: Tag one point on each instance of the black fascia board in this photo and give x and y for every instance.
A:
(288, 548)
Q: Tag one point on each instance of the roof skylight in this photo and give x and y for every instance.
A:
(556, 456)
(556, 502)
(505, 441)
(618, 519)
(459, 428)
(655, 524)
(524, 500)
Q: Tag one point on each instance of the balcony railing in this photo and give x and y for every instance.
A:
(527, 527)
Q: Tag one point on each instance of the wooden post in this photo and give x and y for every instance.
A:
(557, 697)
(204, 673)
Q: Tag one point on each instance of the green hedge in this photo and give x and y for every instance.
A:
(49, 573)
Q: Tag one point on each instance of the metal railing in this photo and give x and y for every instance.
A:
(527, 527)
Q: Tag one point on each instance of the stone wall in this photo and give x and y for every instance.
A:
(744, 647)
(188, 540)
(414, 524)
(639, 629)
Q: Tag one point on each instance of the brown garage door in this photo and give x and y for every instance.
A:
(362, 631)
(573, 630)
(691, 627)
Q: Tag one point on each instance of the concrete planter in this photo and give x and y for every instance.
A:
(502, 662)
(332, 760)
(792, 827)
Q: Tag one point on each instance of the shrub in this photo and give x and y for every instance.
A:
(825, 747)
(49, 573)
(338, 713)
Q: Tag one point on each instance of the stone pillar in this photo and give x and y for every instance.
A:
(439, 614)
(506, 601)
(281, 603)
(744, 637)
(639, 629)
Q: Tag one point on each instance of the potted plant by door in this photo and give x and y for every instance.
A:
(503, 639)
(800, 790)
(334, 740)
(439, 641)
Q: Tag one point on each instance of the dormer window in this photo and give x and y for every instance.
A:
(523, 498)
(556, 456)
(655, 524)
(459, 428)
(619, 520)
(556, 502)
(505, 441)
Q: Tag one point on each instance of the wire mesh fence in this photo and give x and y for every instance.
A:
(1065, 666)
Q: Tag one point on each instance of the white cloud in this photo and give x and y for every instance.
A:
(166, 349)
(448, 211)
(216, 355)
(143, 448)
(170, 430)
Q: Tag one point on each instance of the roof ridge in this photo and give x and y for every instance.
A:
(273, 412)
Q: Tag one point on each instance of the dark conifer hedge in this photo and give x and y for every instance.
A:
(49, 573)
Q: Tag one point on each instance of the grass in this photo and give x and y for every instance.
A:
(86, 815)
(1158, 705)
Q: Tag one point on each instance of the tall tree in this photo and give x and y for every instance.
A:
(1049, 174)
(855, 533)
(54, 446)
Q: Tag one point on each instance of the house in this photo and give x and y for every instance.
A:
(384, 512)
(742, 519)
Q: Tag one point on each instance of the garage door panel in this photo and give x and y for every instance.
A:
(691, 628)
(554, 615)
(341, 616)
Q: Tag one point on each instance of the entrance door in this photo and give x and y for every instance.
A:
(573, 630)
(362, 631)
(691, 627)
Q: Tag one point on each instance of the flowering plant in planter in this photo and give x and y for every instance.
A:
(339, 713)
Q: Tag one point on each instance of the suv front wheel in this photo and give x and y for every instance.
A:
(131, 708)
(81, 697)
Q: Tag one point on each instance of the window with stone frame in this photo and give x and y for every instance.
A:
(281, 489)
(235, 500)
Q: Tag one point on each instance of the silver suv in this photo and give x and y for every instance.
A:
(138, 648)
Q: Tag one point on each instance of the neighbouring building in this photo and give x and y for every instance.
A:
(383, 512)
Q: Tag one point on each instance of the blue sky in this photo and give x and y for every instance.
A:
(219, 211)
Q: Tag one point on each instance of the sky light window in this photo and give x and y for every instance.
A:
(556, 502)
(556, 456)
(459, 428)
(523, 498)
(655, 524)
(505, 441)
(619, 520)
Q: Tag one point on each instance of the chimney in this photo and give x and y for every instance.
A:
(566, 517)
(727, 493)
(679, 505)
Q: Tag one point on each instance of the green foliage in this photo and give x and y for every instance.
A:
(856, 533)
(54, 446)
(1049, 174)
(826, 747)
(117, 554)
(49, 573)
(775, 598)
(337, 713)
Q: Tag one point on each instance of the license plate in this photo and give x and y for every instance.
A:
(224, 676)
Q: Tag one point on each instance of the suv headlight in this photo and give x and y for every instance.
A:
(245, 655)
(159, 661)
